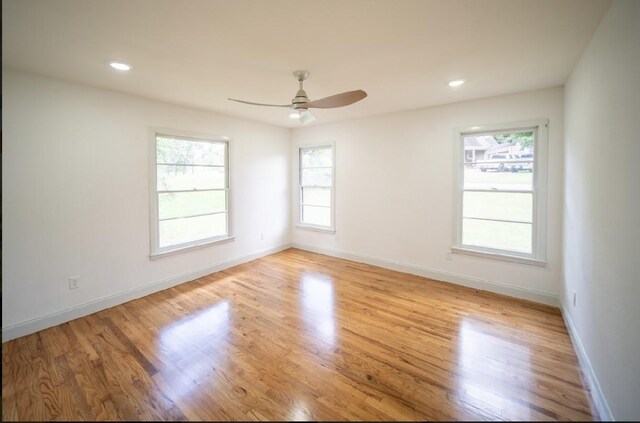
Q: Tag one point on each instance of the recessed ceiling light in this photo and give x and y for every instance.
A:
(456, 83)
(120, 66)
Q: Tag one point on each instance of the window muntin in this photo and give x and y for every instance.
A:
(498, 191)
(191, 192)
(316, 173)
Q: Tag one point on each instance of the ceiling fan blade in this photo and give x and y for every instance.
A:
(338, 100)
(260, 104)
(306, 117)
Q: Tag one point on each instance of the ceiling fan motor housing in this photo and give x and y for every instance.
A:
(300, 100)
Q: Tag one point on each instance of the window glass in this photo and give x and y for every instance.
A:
(316, 186)
(498, 191)
(192, 191)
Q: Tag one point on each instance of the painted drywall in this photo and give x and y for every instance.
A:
(395, 195)
(602, 203)
(76, 193)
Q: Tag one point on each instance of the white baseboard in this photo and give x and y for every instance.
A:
(71, 313)
(439, 275)
(599, 400)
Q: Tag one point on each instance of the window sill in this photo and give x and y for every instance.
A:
(156, 256)
(501, 257)
(316, 228)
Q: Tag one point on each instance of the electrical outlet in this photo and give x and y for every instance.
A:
(574, 298)
(74, 282)
(262, 236)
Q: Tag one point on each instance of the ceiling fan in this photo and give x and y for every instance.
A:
(301, 104)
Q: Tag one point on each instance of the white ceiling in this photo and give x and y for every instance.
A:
(402, 52)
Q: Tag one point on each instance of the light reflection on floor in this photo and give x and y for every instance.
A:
(299, 412)
(318, 306)
(488, 368)
(195, 333)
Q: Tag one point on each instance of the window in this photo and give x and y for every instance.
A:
(189, 192)
(501, 199)
(316, 176)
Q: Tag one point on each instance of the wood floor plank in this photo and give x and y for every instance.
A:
(302, 336)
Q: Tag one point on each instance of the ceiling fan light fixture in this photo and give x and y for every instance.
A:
(306, 117)
(294, 115)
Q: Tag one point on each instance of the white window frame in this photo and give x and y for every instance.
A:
(331, 228)
(155, 250)
(539, 192)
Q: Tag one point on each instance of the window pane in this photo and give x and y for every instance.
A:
(316, 196)
(316, 215)
(178, 151)
(180, 231)
(499, 161)
(321, 177)
(474, 178)
(498, 205)
(176, 177)
(316, 157)
(498, 235)
(184, 204)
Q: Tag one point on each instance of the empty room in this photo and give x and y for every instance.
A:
(337, 210)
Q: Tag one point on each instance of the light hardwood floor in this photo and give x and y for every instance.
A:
(298, 335)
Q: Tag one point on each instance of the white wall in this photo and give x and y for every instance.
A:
(75, 193)
(395, 195)
(602, 206)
